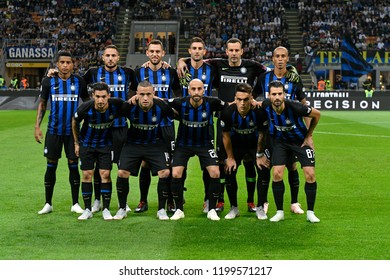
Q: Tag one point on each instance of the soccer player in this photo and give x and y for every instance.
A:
(166, 85)
(194, 138)
(294, 91)
(145, 143)
(243, 128)
(122, 84)
(289, 136)
(208, 74)
(64, 92)
(93, 144)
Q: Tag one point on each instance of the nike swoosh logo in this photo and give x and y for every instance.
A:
(56, 88)
(225, 68)
(102, 78)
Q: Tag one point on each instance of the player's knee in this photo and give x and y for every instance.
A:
(163, 173)
(310, 176)
(278, 174)
(87, 175)
(214, 172)
(123, 173)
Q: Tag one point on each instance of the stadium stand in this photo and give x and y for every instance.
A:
(326, 21)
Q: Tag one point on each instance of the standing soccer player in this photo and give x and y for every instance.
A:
(166, 84)
(294, 91)
(93, 144)
(145, 143)
(289, 136)
(64, 92)
(208, 74)
(194, 138)
(243, 129)
(122, 84)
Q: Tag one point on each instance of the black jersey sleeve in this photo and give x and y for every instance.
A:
(45, 88)
(226, 117)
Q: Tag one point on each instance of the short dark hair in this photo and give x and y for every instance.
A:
(63, 53)
(197, 40)
(111, 47)
(156, 42)
(100, 86)
(145, 83)
(234, 40)
(244, 87)
(275, 84)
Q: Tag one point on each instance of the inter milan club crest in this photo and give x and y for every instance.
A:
(111, 117)
(222, 124)
(154, 119)
(204, 115)
(203, 77)
(72, 87)
(163, 78)
(243, 70)
(119, 78)
(251, 123)
(285, 87)
(288, 122)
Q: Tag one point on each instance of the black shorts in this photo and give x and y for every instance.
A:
(244, 155)
(207, 156)
(101, 156)
(54, 144)
(119, 137)
(168, 136)
(283, 153)
(156, 155)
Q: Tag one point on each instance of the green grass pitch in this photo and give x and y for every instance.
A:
(352, 152)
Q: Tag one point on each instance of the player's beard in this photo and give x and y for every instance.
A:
(111, 66)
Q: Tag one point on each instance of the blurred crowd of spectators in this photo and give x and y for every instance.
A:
(85, 27)
(327, 21)
(82, 27)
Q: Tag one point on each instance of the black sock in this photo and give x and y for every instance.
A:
(74, 180)
(50, 181)
(122, 188)
(86, 190)
(222, 181)
(106, 189)
(278, 190)
(293, 180)
(144, 183)
(214, 191)
(263, 185)
(206, 183)
(96, 183)
(250, 177)
(177, 192)
(232, 188)
(162, 191)
(311, 192)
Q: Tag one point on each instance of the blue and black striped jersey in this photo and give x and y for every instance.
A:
(289, 125)
(145, 126)
(120, 81)
(64, 98)
(244, 131)
(96, 128)
(164, 81)
(208, 74)
(294, 91)
(194, 130)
